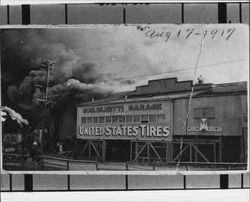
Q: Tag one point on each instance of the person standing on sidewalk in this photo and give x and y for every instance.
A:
(34, 153)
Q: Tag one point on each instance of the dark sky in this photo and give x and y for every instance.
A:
(72, 79)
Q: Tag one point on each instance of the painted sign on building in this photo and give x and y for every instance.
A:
(140, 121)
(204, 127)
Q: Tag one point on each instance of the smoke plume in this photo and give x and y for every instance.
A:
(25, 79)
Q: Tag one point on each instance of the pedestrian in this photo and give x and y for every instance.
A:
(58, 147)
(34, 152)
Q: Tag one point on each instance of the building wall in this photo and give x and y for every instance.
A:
(228, 114)
(133, 109)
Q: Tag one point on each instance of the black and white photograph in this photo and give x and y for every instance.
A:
(127, 98)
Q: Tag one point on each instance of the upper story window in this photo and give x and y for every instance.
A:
(101, 119)
(198, 112)
(121, 119)
(207, 112)
(144, 118)
(89, 119)
(84, 120)
(129, 119)
(108, 119)
(161, 118)
(95, 119)
(137, 118)
(115, 119)
(152, 118)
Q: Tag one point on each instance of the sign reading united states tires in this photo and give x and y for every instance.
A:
(144, 120)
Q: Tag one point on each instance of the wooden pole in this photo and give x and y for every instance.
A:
(220, 149)
(242, 145)
(148, 153)
(171, 151)
(136, 149)
(89, 149)
(195, 156)
(41, 138)
(168, 151)
(103, 150)
(214, 146)
(246, 141)
(190, 153)
(167, 155)
(131, 150)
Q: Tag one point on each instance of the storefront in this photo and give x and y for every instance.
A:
(161, 125)
(122, 127)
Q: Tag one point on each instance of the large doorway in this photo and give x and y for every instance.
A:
(118, 150)
(231, 151)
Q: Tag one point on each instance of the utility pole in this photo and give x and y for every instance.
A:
(47, 65)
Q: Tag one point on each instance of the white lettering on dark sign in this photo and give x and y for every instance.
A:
(208, 129)
(124, 131)
(204, 127)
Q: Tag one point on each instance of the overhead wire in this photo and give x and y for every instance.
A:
(190, 99)
(186, 69)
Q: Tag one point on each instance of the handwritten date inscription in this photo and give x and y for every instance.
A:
(186, 33)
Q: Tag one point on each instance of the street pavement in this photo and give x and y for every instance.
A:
(74, 165)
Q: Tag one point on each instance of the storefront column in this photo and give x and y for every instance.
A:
(220, 149)
(103, 150)
(168, 151)
(214, 147)
(136, 149)
(148, 153)
(190, 153)
(89, 147)
(245, 143)
(131, 150)
(241, 147)
(195, 156)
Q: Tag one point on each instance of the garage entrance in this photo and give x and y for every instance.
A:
(118, 150)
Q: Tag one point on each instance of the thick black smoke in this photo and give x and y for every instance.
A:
(71, 78)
